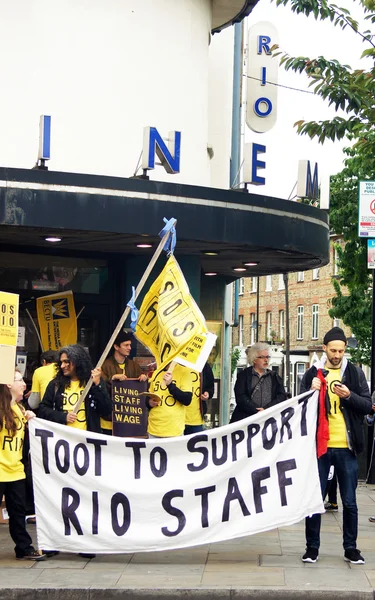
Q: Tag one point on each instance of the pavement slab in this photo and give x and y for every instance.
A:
(266, 566)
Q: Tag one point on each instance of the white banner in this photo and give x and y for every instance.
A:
(95, 493)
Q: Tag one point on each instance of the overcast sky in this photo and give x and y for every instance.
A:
(302, 36)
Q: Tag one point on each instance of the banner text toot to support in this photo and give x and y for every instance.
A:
(95, 493)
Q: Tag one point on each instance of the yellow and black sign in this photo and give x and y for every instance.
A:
(8, 335)
(57, 320)
(8, 319)
(170, 321)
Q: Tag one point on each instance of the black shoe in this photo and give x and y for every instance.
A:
(50, 553)
(311, 555)
(85, 555)
(31, 555)
(354, 556)
(331, 507)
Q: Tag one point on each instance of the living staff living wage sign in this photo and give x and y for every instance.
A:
(102, 494)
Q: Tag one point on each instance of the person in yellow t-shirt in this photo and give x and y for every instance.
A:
(65, 389)
(347, 401)
(167, 418)
(42, 376)
(203, 390)
(13, 420)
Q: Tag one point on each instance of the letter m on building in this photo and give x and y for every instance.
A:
(169, 156)
(307, 183)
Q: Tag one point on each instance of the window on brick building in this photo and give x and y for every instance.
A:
(300, 371)
(335, 261)
(300, 316)
(281, 282)
(268, 325)
(240, 330)
(282, 324)
(300, 276)
(253, 329)
(241, 286)
(315, 273)
(254, 284)
(269, 283)
(315, 322)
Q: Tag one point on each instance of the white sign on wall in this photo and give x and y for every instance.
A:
(262, 74)
(107, 494)
(366, 207)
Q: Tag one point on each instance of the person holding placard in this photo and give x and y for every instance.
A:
(119, 367)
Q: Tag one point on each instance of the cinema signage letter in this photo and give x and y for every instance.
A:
(262, 72)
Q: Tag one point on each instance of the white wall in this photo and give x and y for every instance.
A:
(220, 105)
(104, 69)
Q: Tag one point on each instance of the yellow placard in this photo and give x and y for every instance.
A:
(57, 320)
(8, 319)
(169, 317)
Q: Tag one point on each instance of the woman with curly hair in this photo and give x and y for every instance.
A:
(13, 419)
(64, 391)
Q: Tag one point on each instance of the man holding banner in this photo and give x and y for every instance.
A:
(63, 392)
(347, 402)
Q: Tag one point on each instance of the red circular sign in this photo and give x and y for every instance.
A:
(372, 206)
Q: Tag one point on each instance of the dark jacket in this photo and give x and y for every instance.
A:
(243, 391)
(97, 404)
(353, 408)
(208, 385)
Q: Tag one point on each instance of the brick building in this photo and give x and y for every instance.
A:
(310, 294)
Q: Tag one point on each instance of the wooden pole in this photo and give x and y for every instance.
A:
(123, 318)
(35, 327)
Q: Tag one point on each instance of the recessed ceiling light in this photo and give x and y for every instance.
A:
(211, 253)
(251, 264)
(52, 239)
(144, 245)
(210, 274)
(239, 269)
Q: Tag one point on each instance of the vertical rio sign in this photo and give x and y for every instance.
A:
(261, 94)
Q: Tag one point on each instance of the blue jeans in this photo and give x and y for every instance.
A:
(346, 468)
(192, 429)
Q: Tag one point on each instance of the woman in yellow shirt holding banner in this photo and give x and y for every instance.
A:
(13, 420)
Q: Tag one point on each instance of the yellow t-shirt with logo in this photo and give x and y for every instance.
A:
(11, 467)
(193, 415)
(336, 421)
(41, 378)
(70, 396)
(168, 419)
(108, 424)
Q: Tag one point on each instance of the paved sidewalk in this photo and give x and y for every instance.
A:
(265, 566)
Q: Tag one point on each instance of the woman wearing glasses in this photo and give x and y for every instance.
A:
(13, 419)
(257, 387)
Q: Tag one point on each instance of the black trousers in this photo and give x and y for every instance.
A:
(14, 492)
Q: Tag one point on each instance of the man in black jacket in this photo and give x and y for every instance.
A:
(257, 388)
(348, 400)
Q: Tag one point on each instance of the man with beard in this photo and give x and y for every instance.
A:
(347, 401)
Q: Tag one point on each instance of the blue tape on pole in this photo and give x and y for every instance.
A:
(170, 244)
(134, 312)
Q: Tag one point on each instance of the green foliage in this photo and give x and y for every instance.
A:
(353, 92)
(235, 357)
